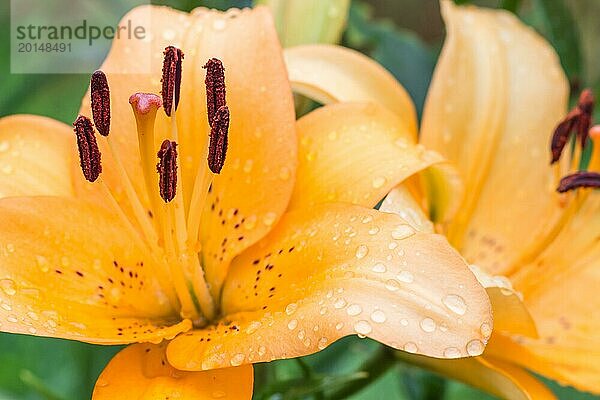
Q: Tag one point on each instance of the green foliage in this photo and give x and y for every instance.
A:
(401, 52)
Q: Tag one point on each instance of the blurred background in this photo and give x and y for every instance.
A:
(403, 35)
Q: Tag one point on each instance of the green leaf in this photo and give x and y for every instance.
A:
(401, 52)
(65, 369)
(555, 20)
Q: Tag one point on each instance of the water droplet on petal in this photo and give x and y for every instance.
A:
(402, 232)
(218, 394)
(339, 303)
(452, 352)
(410, 347)
(219, 24)
(237, 359)
(262, 350)
(486, 330)
(361, 251)
(475, 347)
(406, 277)
(428, 325)
(379, 268)
(339, 325)
(253, 327)
(322, 343)
(455, 303)
(378, 182)
(392, 285)
(291, 308)
(354, 309)
(292, 324)
(8, 286)
(363, 327)
(378, 316)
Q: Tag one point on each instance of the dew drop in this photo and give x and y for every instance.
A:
(404, 322)
(262, 350)
(367, 219)
(406, 277)
(8, 286)
(428, 325)
(374, 230)
(452, 352)
(378, 182)
(291, 308)
(455, 303)
(253, 327)
(392, 285)
(486, 330)
(353, 310)
(322, 343)
(6, 306)
(363, 327)
(339, 325)
(301, 334)
(378, 316)
(218, 394)
(379, 268)
(292, 324)
(237, 359)
(402, 232)
(33, 316)
(32, 330)
(361, 251)
(410, 347)
(475, 347)
(339, 303)
(250, 222)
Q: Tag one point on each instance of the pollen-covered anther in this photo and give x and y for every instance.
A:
(167, 170)
(215, 88)
(217, 150)
(577, 121)
(171, 78)
(578, 180)
(89, 154)
(100, 97)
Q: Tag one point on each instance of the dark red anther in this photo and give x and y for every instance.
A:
(215, 88)
(100, 95)
(167, 170)
(578, 180)
(171, 78)
(217, 149)
(577, 121)
(89, 154)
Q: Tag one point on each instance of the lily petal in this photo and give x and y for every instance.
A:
(256, 183)
(496, 95)
(491, 375)
(36, 156)
(73, 271)
(560, 290)
(141, 371)
(328, 73)
(510, 313)
(355, 153)
(334, 270)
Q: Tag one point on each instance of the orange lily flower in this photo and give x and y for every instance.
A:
(220, 269)
(497, 95)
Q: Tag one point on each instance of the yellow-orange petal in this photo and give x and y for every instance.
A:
(336, 270)
(253, 189)
(499, 378)
(36, 156)
(142, 372)
(560, 290)
(401, 202)
(496, 95)
(328, 73)
(355, 153)
(73, 271)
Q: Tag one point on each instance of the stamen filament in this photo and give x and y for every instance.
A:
(192, 268)
(135, 203)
